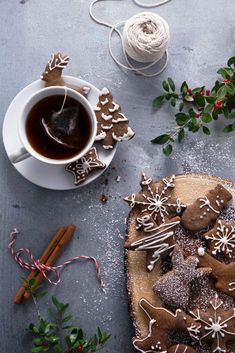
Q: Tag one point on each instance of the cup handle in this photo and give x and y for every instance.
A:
(19, 156)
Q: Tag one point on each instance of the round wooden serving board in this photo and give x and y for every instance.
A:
(188, 187)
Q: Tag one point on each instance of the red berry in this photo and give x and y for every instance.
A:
(227, 81)
(79, 349)
(208, 92)
(189, 91)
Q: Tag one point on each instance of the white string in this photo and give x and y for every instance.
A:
(142, 4)
(65, 97)
(150, 19)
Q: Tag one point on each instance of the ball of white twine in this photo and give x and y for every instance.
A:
(145, 39)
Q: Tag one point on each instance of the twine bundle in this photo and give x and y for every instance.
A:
(145, 39)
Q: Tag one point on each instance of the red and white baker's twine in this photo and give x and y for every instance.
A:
(37, 265)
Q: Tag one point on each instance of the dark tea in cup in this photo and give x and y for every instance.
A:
(73, 112)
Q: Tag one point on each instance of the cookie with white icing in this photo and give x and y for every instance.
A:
(112, 124)
(52, 75)
(221, 239)
(205, 209)
(161, 321)
(181, 348)
(215, 326)
(83, 167)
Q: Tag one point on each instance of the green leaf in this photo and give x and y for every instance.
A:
(206, 118)
(226, 73)
(160, 140)
(206, 130)
(230, 88)
(184, 88)
(200, 100)
(181, 136)
(181, 106)
(59, 306)
(168, 96)
(37, 349)
(37, 341)
(231, 61)
(41, 295)
(165, 85)
(229, 128)
(157, 102)
(221, 92)
(196, 90)
(173, 102)
(171, 84)
(67, 318)
(208, 108)
(181, 118)
(31, 282)
(210, 99)
(231, 115)
(167, 150)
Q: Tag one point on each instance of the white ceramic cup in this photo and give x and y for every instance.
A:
(27, 150)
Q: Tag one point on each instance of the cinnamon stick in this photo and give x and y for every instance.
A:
(69, 232)
(50, 247)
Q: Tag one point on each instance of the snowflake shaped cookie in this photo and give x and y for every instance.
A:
(85, 166)
(222, 239)
(215, 325)
(156, 201)
(112, 125)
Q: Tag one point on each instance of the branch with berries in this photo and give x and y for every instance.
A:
(47, 333)
(197, 107)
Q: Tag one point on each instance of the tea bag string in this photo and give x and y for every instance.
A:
(65, 97)
(133, 41)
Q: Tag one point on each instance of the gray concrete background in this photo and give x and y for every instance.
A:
(202, 39)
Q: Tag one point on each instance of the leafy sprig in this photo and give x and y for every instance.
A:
(48, 333)
(197, 107)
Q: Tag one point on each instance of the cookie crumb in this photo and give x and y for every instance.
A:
(103, 198)
(118, 178)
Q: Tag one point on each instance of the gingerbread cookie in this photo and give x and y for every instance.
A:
(224, 274)
(216, 325)
(85, 166)
(155, 201)
(222, 239)
(53, 71)
(112, 125)
(161, 322)
(156, 240)
(181, 348)
(174, 287)
(205, 209)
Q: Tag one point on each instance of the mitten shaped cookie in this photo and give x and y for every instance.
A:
(205, 209)
(112, 125)
(52, 74)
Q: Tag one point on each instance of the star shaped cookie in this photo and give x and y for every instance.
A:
(85, 166)
(174, 287)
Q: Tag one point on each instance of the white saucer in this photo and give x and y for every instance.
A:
(48, 176)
